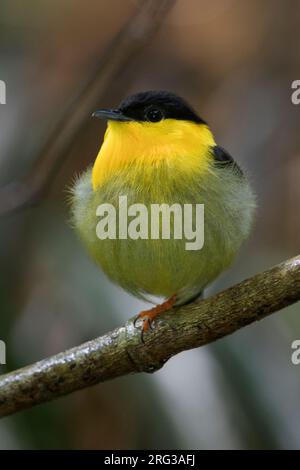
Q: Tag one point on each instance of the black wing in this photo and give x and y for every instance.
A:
(225, 159)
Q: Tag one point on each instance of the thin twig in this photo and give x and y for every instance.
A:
(121, 351)
(128, 42)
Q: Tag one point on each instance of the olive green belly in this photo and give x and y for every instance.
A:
(165, 266)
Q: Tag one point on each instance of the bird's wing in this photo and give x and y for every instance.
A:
(224, 158)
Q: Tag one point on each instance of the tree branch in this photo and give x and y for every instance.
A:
(128, 42)
(121, 352)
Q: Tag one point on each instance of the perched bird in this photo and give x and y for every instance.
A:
(157, 150)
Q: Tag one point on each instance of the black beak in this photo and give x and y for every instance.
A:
(111, 114)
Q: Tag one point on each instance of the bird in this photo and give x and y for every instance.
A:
(158, 151)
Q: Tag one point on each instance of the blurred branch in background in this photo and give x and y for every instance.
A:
(132, 37)
(121, 351)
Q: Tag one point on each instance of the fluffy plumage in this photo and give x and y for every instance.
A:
(170, 161)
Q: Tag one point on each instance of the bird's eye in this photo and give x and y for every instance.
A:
(153, 114)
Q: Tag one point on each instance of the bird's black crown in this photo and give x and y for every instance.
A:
(154, 106)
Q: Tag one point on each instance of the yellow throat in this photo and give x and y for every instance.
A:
(182, 145)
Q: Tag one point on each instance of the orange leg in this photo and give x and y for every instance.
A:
(149, 315)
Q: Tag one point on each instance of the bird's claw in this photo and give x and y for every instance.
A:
(147, 324)
(148, 316)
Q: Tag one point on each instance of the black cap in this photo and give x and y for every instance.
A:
(151, 106)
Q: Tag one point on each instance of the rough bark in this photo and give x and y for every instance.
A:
(121, 351)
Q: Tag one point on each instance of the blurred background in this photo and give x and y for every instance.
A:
(235, 62)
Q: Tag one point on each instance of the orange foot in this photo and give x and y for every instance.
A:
(149, 315)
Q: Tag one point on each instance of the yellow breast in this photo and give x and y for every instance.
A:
(183, 146)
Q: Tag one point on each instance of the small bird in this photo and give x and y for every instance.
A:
(157, 150)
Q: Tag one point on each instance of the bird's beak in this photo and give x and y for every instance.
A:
(111, 114)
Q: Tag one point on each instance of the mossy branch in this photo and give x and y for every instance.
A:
(121, 352)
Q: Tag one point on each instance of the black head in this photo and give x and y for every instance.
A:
(151, 106)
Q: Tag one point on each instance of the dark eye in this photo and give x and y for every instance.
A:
(153, 114)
